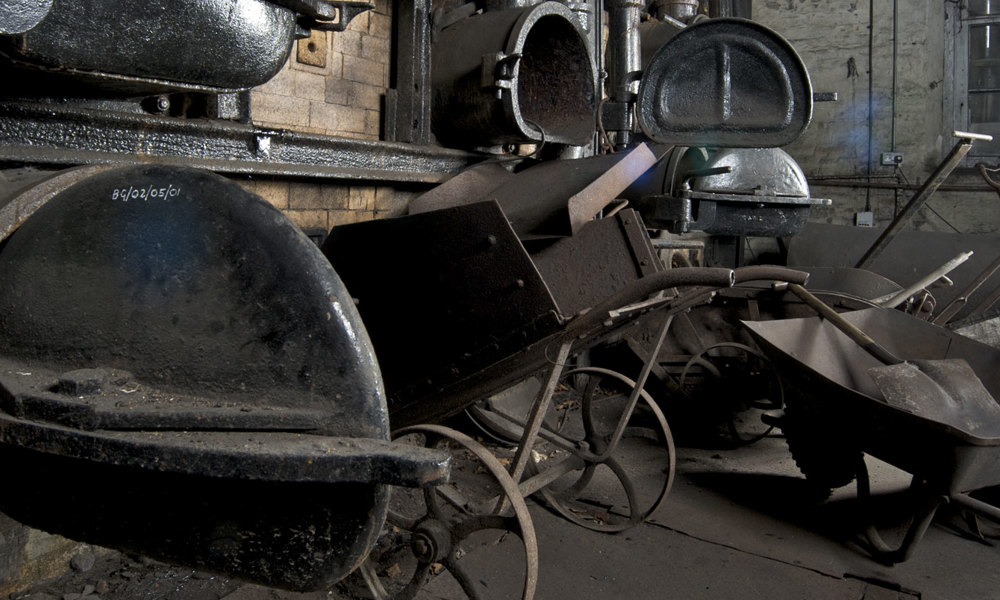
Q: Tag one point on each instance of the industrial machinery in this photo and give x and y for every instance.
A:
(169, 336)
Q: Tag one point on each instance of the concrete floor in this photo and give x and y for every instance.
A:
(735, 526)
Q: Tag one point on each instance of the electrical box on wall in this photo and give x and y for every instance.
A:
(865, 218)
(891, 159)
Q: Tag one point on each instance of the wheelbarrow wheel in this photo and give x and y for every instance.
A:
(622, 490)
(448, 537)
(741, 384)
(822, 453)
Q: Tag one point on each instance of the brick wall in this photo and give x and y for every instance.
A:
(312, 205)
(333, 84)
(832, 38)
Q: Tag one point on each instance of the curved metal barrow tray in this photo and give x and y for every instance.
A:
(945, 451)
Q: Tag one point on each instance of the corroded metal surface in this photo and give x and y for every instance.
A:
(514, 76)
(725, 82)
(68, 135)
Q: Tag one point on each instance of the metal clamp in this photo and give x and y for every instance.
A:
(325, 15)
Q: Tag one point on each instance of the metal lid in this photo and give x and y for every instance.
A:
(725, 83)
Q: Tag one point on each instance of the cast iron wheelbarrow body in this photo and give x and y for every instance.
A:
(835, 411)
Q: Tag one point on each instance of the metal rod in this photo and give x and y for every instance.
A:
(849, 329)
(637, 390)
(551, 472)
(963, 298)
(535, 419)
(875, 185)
(896, 298)
(988, 303)
(926, 191)
(977, 506)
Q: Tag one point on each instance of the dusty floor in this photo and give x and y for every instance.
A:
(735, 525)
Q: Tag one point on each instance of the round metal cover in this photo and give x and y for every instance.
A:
(514, 76)
(769, 171)
(725, 83)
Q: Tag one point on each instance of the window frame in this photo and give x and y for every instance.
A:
(956, 94)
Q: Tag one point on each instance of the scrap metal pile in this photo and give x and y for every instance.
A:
(179, 341)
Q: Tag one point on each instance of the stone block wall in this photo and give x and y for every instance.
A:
(333, 84)
(334, 81)
(313, 205)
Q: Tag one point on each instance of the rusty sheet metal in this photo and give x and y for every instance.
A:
(442, 294)
(556, 198)
(468, 187)
(603, 257)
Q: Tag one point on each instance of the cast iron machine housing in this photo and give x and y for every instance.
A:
(173, 345)
(161, 326)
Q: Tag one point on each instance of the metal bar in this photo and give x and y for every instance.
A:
(61, 135)
(988, 303)
(977, 506)
(896, 298)
(875, 185)
(410, 97)
(637, 390)
(536, 417)
(956, 305)
(552, 472)
(930, 186)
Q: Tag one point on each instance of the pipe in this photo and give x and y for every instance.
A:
(624, 60)
(682, 10)
(969, 189)
(896, 298)
(965, 140)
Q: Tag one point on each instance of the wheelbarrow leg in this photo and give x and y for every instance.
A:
(535, 419)
(924, 515)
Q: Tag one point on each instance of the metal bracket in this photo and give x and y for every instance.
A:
(498, 70)
(325, 15)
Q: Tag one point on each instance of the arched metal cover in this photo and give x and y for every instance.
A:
(243, 426)
(725, 83)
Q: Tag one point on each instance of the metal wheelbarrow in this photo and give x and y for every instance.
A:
(836, 411)
(460, 308)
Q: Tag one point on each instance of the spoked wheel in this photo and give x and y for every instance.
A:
(448, 538)
(611, 489)
(744, 385)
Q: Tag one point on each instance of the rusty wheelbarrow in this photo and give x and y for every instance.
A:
(460, 308)
(836, 411)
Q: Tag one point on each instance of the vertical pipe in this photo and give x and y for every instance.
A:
(624, 62)
(895, 53)
(871, 100)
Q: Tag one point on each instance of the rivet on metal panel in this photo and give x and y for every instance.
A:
(312, 50)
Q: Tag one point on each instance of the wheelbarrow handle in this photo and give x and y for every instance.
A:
(849, 329)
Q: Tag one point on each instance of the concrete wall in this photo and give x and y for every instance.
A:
(832, 37)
